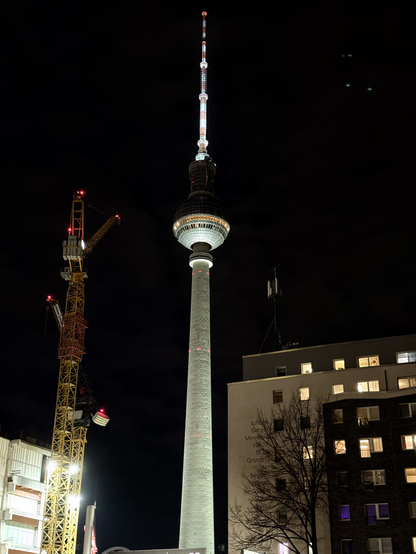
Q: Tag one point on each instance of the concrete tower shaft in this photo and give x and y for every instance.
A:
(197, 510)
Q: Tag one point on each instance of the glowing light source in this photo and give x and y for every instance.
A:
(73, 469)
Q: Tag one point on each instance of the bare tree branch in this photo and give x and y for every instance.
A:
(288, 489)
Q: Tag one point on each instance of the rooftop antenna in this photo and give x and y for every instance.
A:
(274, 293)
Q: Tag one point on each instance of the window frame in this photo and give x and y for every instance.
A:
(336, 444)
(410, 410)
(276, 396)
(412, 502)
(334, 363)
(301, 389)
(406, 477)
(408, 360)
(380, 545)
(339, 512)
(346, 478)
(302, 368)
(368, 418)
(276, 370)
(278, 425)
(305, 422)
(370, 446)
(373, 481)
(350, 547)
(280, 484)
(407, 378)
(377, 507)
(336, 420)
(368, 358)
(368, 386)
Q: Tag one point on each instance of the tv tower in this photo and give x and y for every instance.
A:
(200, 224)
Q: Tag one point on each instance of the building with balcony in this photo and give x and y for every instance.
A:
(369, 393)
(23, 465)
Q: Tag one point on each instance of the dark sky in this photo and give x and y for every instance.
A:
(316, 176)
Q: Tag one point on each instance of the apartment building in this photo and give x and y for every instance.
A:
(359, 382)
(23, 465)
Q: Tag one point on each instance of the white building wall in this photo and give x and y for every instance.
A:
(21, 514)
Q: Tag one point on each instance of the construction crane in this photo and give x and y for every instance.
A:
(70, 425)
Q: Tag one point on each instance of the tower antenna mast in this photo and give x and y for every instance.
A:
(203, 96)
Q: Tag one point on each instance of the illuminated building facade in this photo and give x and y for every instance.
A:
(369, 393)
(23, 466)
(200, 225)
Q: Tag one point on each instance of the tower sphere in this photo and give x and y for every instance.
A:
(200, 219)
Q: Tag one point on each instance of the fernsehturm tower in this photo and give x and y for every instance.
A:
(200, 224)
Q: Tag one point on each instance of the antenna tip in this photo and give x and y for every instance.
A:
(204, 13)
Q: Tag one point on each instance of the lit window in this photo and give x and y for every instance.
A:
(407, 410)
(342, 479)
(305, 422)
(346, 546)
(406, 357)
(410, 474)
(280, 484)
(283, 548)
(304, 393)
(382, 546)
(339, 364)
(373, 477)
(306, 367)
(370, 413)
(338, 416)
(412, 509)
(368, 386)
(278, 425)
(368, 361)
(277, 396)
(344, 512)
(409, 442)
(280, 371)
(375, 512)
(414, 544)
(307, 453)
(406, 382)
(337, 389)
(339, 447)
(367, 446)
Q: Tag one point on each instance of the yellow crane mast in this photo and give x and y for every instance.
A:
(69, 437)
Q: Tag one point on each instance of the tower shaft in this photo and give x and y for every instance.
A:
(197, 506)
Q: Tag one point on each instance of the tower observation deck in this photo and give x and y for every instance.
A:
(200, 224)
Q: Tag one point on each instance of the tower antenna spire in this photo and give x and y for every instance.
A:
(203, 96)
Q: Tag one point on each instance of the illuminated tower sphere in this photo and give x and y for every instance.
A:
(200, 224)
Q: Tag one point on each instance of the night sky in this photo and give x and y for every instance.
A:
(317, 177)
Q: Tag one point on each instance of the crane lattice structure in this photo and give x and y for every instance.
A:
(69, 438)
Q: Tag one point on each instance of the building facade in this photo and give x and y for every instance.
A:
(23, 466)
(359, 382)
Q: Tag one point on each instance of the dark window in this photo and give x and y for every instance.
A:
(278, 425)
(305, 422)
(407, 410)
(277, 396)
(282, 517)
(280, 371)
(280, 484)
(342, 478)
(346, 546)
(338, 416)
